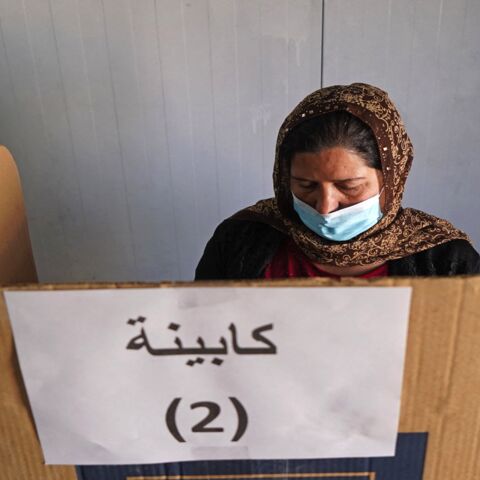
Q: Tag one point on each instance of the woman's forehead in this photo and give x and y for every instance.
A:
(332, 162)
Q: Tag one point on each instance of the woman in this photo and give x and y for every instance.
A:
(342, 160)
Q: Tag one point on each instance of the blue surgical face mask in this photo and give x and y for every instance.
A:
(343, 224)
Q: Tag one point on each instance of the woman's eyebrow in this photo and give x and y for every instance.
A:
(303, 179)
(339, 180)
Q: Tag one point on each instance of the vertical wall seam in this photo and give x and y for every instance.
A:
(87, 75)
(67, 114)
(137, 84)
(237, 96)
(141, 103)
(433, 90)
(167, 140)
(287, 48)
(191, 153)
(91, 109)
(322, 48)
(46, 135)
(214, 114)
(122, 153)
(262, 102)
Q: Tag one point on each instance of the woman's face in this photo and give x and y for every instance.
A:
(333, 179)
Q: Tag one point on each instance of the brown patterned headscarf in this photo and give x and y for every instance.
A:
(400, 232)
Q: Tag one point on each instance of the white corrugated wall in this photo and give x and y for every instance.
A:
(138, 125)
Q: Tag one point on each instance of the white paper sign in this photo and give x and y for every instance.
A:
(173, 374)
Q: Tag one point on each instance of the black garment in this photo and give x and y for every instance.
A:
(242, 249)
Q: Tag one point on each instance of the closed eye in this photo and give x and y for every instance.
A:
(304, 183)
(307, 185)
(350, 188)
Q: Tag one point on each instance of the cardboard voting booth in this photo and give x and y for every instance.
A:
(439, 421)
(16, 257)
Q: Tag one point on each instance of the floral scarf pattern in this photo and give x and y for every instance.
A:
(401, 232)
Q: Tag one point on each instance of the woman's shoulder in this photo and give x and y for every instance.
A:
(238, 249)
(234, 229)
(455, 257)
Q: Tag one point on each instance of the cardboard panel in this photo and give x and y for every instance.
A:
(441, 392)
(16, 258)
(440, 399)
(20, 453)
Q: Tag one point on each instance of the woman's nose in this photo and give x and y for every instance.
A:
(326, 202)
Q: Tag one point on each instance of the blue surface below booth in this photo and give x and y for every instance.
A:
(407, 464)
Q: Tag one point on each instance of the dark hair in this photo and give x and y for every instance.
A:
(335, 129)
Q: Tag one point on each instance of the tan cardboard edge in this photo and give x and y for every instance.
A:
(300, 282)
